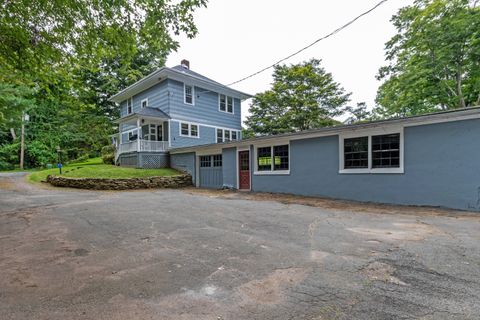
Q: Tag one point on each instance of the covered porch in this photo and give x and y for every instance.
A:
(145, 131)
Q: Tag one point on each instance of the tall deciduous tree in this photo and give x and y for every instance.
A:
(73, 55)
(434, 59)
(303, 96)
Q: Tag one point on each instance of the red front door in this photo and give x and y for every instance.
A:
(244, 170)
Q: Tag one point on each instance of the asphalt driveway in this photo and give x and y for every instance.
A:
(193, 254)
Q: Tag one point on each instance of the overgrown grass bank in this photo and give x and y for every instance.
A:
(95, 168)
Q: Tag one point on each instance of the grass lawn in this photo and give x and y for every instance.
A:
(95, 168)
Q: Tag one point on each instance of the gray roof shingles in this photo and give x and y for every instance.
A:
(149, 112)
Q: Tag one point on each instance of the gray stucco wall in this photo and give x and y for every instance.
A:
(229, 166)
(442, 168)
(184, 162)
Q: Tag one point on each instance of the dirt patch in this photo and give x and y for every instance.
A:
(379, 271)
(7, 184)
(269, 290)
(399, 231)
(334, 204)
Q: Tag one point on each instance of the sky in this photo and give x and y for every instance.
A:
(239, 37)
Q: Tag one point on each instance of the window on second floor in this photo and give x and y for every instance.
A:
(188, 94)
(129, 105)
(225, 103)
(144, 103)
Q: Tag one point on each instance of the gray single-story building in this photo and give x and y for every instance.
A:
(431, 160)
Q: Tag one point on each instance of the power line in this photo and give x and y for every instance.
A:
(313, 43)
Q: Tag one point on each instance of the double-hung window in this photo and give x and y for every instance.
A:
(225, 135)
(129, 105)
(144, 103)
(372, 153)
(225, 103)
(188, 94)
(273, 159)
(189, 130)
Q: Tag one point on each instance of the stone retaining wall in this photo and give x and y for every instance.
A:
(177, 181)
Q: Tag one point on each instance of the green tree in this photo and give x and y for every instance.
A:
(72, 55)
(434, 59)
(359, 113)
(303, 96)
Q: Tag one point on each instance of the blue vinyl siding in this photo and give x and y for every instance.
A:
(205, 110)
(157, 98)
(206, 136)
(229, 161)
(441, 169)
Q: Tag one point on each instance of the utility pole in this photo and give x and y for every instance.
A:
(22, 145)
(25, 117)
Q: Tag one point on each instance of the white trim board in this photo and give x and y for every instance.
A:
(369, 134)
(271, 171)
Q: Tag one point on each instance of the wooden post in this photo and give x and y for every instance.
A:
(138, 134)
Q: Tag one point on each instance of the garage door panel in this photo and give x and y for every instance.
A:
(211, 173)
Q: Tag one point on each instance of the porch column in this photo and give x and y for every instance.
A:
(120, 141)
(138, 134)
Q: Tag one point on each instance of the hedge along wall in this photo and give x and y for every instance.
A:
(177, 181)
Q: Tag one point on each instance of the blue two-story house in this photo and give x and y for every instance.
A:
(172, 108)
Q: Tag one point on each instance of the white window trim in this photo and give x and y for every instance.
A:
(189, 129)
(131, 104)
(141, 103)
(369, 134)
(271, 171)
(185, 95)
(223, 134)
(226, 103)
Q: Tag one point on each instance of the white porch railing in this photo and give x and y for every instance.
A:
(153, 146)
(141, 146)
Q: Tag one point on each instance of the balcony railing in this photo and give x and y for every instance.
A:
(142, 146)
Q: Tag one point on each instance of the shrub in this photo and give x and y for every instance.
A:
(108, 154)
(6, 166)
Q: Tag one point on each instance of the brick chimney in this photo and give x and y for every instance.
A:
(185, 63)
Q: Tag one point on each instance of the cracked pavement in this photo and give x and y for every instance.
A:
(196, 254)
